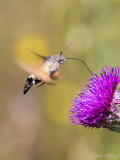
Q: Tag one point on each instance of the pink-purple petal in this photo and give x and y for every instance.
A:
(93, 105)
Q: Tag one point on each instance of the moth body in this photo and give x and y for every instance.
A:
(49, 69)
(45, 72)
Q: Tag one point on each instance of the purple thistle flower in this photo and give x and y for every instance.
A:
(99, 105)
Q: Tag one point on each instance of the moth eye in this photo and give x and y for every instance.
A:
(60, 60)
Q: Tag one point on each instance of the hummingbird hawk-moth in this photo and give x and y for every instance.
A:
(47, 70)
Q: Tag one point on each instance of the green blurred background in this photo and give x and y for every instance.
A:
(35, 126)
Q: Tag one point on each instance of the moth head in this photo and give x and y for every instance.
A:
(61, 59)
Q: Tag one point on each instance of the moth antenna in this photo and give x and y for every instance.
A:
(65, 49)
(83, 63)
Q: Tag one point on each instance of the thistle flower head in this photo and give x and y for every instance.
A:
(98, 106)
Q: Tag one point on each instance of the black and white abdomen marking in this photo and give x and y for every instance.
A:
(31, 80)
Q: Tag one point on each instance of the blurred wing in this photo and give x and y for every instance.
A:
(40, 56)
(56, 75)
(30, 68)
(41, 71)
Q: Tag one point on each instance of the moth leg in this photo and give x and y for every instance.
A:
(45, 83)
(41, 84)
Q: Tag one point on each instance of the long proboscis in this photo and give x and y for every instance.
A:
(83, 63)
